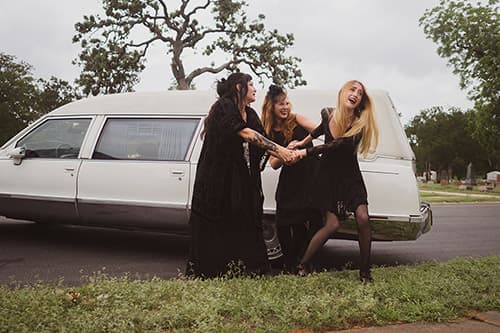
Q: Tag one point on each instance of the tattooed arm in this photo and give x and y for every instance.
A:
(276, 163)
(274, 149)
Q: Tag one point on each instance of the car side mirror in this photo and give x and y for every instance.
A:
(17, 155)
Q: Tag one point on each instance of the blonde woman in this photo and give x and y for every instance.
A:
(296, 220)
(348, 129)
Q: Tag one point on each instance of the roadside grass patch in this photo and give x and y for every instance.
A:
(454, 189)
(435, 193)
(432, 292)
(436, 198)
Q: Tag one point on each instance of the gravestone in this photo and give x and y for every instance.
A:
(470, 179)
(443, 177)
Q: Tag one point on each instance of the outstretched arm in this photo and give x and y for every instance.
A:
(276, 163)
(319, 149)
(305, 122)
(301, 143)
(274, 149)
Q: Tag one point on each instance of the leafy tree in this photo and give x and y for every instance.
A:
(469, 37)
(108, 68)
(132, 26)
(54, 93)
(18, 95)
(23, 98)
(442, 140)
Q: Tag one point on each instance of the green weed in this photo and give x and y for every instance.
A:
(433, 292)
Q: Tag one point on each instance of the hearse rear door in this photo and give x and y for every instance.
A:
(138, 174)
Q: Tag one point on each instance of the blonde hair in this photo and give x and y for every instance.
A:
(269, 119)
(364, 121)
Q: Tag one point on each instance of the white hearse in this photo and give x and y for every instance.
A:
(129, 161)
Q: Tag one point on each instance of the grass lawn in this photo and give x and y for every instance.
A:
(431, 292)
(436, 193)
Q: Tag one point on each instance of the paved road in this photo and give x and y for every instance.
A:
(30, 253)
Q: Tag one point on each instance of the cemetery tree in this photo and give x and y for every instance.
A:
(107, 67)
(218, 29)
(442, 139)
(24, 98)
(54, 93)
(18, 94)
(467, 35)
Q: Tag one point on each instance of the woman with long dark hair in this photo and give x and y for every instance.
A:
(226, 209)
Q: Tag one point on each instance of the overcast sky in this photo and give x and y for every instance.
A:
(378, 42)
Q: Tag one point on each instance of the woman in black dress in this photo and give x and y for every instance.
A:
(296, 220)
(226, 209)
(349, 129)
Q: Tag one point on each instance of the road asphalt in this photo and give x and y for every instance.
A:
(481, 322)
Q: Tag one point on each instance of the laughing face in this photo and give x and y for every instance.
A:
(250, 97)
(281, 108)
(353, 96)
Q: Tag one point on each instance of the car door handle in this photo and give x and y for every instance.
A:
(177, 172)
(69, 169)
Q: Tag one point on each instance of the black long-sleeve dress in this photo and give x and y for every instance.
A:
(296, 218)
(340, 187)
(226, 209)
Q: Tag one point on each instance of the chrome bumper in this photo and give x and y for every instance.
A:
(391, 228)
(384, 228)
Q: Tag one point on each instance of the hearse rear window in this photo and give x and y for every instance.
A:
(153, 139)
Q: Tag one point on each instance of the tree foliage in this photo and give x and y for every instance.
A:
(131, 27)
(469, 37)
(54, 93)
(108, 68)
(442, 140)
(17, 96)
(23, 98)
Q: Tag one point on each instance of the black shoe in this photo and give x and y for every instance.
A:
(302, 270)
(365, 277)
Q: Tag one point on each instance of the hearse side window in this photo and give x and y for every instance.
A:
(162, 139)
(55, 138)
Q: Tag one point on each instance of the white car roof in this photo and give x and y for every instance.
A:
(188, 102)
(392, 139)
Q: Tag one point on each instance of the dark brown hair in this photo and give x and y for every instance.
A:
(226, 89)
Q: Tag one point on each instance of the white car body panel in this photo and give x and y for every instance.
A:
(156, 194)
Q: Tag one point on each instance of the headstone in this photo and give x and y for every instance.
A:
(443, 177)
(470, 179)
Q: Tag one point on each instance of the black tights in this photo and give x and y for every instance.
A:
(332, 224)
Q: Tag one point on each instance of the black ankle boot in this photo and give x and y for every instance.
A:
(365, 276)
(302, 270)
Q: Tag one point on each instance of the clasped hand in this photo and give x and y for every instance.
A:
(293, 153)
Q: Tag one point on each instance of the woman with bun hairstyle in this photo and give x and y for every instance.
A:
(348, 129)
(296, 220)
(226, 209)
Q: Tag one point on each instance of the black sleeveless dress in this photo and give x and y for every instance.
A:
(340, 187)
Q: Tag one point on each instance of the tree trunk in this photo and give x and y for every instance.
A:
(178, 67)
(182, 84)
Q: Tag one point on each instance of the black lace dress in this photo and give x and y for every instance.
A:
(226, 209)
(340, 187)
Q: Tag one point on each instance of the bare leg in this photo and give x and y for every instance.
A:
(365, 242)
(321, 236)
